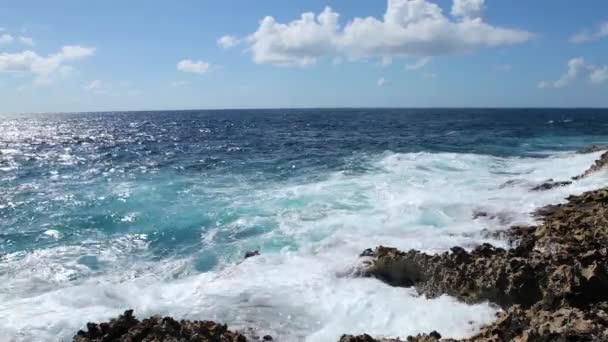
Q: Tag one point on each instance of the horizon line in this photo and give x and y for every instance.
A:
(296, 108)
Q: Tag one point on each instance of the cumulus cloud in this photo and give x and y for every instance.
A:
(300, 42)
(197, 67)
(381, 82)
(6, 38)
(421, 63)
(26, 41)
(228, 41)
(576, 67)
(590, 35)
(408, 28)
(467, 8)
(599, 75)
(43, 68)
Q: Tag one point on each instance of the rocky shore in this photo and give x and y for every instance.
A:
(552, 285)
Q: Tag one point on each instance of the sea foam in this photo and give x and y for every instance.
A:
(310, 233)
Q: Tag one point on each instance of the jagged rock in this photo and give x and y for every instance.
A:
(597, 166)
(552, 284)
(550, 184)
(592, 149)
(432, 337)
(562, 325)
(250, 254)
(127, 328)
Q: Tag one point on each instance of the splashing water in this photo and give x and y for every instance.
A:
(154, 211)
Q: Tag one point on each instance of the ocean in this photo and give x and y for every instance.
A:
(154, 211)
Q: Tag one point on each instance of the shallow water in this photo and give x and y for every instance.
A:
(154, 211)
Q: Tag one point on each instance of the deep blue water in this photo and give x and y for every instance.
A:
(93, 194)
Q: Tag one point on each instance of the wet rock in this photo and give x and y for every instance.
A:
(367, 253)
(552, 283)
(592, 149)
(565, 324)
(479, 213)
(432, 337)
(599, 164)
(550, 184)
(250, 254)
(126, 328)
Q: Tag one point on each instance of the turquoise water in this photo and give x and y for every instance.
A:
(100, 212)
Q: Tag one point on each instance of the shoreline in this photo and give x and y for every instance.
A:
(549, 284)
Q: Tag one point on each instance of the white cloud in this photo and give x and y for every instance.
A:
(408, 28)
(43, 68)
(587, 36)
(300, 42)
(228, 41)
(577, 66)
(6, 38)
(467, 8)
(26, 41)
(418, 64)
(381, 82)
(197, 67)
(599, 75)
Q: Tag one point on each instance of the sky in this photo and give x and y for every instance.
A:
(74, 55)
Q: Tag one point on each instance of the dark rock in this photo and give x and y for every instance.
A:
(250, 254)
(267, 338)
(592, 149)
(550, 184)
(367, 253)
(126, 328)
(479, 213)
(552, 284)
(435, 335)
(599, 164)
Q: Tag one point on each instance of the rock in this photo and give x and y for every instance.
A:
(267, 338)
(250, 254)
(597, 166)
(432, 337)
(551, 284)
(592, 149)
(479, 213)
(367, 253)
(126, 328)
(565, 324)
(550, 184)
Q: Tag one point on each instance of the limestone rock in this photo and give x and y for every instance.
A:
(127, 328)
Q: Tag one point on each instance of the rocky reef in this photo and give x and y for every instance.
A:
(552, 285)
(127, 328)
(599, 164)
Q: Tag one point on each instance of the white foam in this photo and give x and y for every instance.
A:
(423, 201)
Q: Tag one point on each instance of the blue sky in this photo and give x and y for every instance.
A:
(73, 55)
